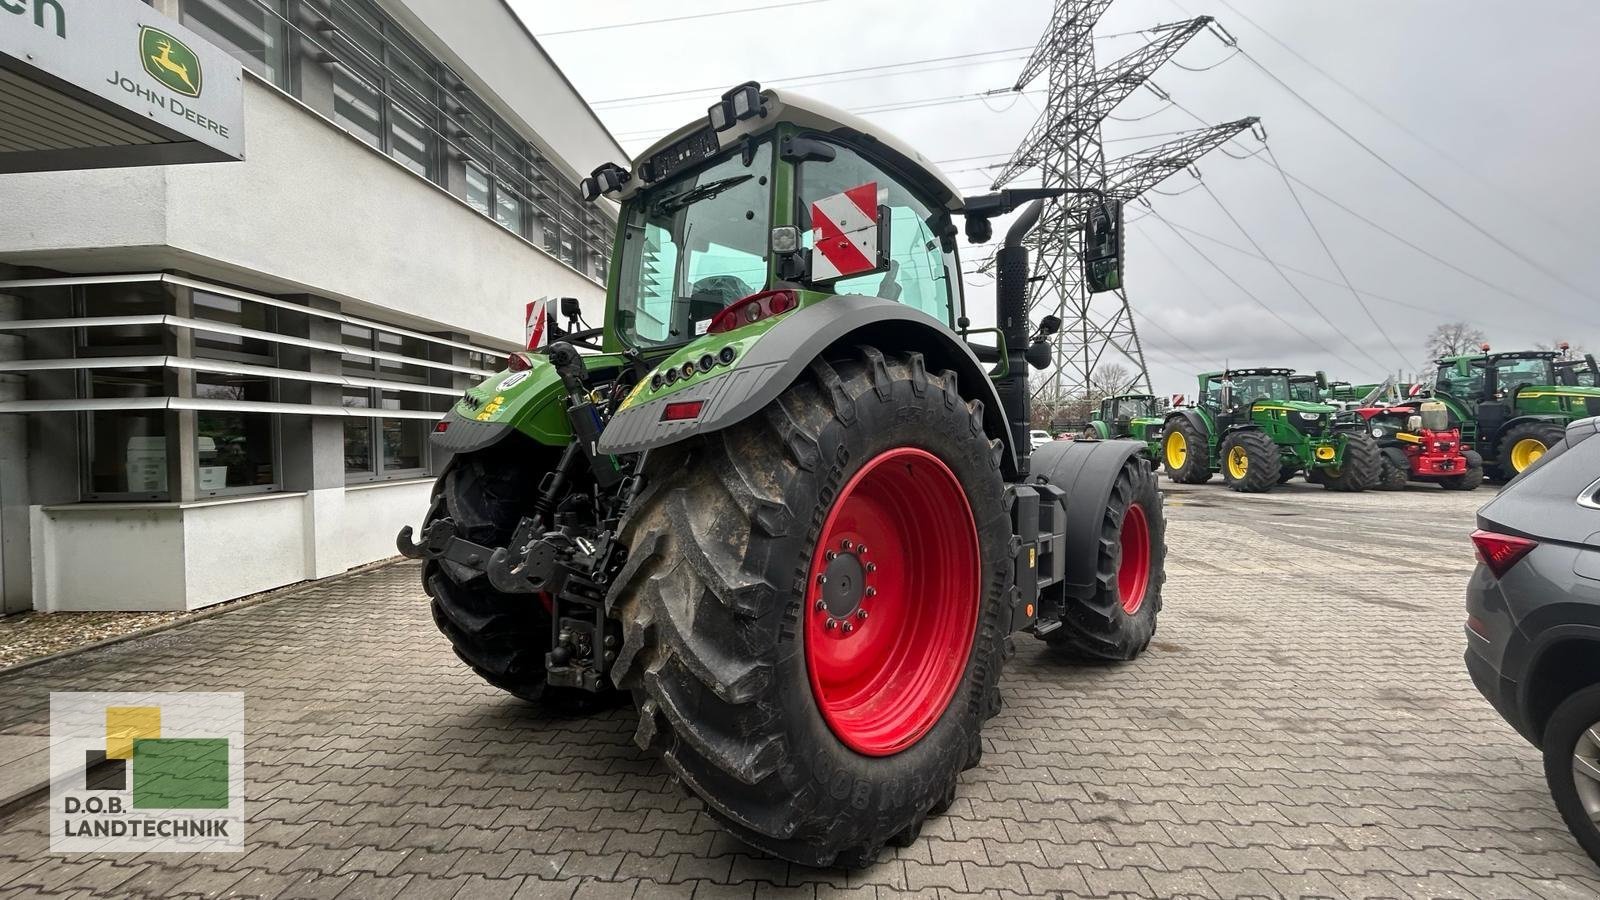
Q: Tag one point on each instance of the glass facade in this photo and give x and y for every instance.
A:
(391, 93)
(381, 448)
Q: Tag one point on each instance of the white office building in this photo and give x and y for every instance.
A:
(218, 378)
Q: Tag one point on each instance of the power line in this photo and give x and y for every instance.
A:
(704, 15)
(1287, 280)
(791, 78)
(1246, 291)
(1442, 203)
(864, 110)
(1395, 121)
(1335, 260)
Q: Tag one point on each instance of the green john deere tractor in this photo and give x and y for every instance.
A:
(1309, 388)
(1512, 407)
(1134, 416)
(782, 499)
(1246, 426)
(1578, 372)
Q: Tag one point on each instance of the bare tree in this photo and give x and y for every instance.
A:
(1453, 339)
(1108, 381)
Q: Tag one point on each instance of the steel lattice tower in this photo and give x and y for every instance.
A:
(1064, 146)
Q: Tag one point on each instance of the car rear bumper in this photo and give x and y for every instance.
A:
(1501, 692)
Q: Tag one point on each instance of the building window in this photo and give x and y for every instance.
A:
(239, 314)
(235, 451)
(125, 451)
(252, 30)
(381, 448)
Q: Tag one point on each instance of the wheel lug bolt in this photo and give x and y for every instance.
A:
(822, 579)
(820, 606)
(861, 614)
(831, 624)
(861, 548)
(830, 555)
(872, 592)
(848, 628)
(872, 567)
(847, 544)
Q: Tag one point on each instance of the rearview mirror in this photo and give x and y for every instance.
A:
(1102, 247)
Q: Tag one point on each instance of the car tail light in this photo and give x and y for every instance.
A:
(753, 308)
(1501, 551)
(684, 409)
(519, 362)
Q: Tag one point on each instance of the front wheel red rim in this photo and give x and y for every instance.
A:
(1133, 572)
(892, 603)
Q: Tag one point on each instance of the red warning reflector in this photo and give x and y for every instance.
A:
(441, 425)
(684, 409)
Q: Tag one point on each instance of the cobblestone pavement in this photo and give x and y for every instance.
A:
(1302, 726)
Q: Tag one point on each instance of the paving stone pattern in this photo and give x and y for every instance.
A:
(1301, 727)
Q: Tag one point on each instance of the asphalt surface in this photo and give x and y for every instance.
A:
(1302, 726)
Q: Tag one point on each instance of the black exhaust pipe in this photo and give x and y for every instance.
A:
(1011, 301)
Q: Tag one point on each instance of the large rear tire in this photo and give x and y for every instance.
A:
(1468, 480)
(1184, 450)
(1390, 476)
(1118, 621)
(1251, 462)
(502, 637)
(1523, 445)
(800, 744)
(1360, 467)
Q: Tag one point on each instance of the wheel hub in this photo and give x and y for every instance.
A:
(892, 603)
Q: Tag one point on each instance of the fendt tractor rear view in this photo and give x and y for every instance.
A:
(781, 499)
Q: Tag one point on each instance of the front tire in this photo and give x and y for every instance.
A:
(1468, 480)
(1250, 462)
(1390, 476)
(1118, 621)
(1572, 766)
(1523, 445)
(724, 612)
(1359, 468)
(1184, 451)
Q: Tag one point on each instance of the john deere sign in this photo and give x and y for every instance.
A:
(112, 83)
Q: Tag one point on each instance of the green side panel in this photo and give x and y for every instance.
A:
(180, 773)
(532, 401)
(1101, 428)
(1564, 401)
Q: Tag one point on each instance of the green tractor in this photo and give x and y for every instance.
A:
(1133, 416)
(1512, 407)
(1308, 388)
(1246, 426)
(1578, 372)
(781, 500)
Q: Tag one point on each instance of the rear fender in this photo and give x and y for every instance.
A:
(1101, 429)
(1085, 471)
(783, 351)
(532, 401)
(1194, 418)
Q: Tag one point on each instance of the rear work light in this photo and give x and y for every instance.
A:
(1501, 551)
(519, 362)
(753, 308)
(683, 409)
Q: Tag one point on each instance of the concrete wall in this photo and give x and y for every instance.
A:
(175, 556)
(311, 209)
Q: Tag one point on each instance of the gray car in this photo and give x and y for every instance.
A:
(1533, 619)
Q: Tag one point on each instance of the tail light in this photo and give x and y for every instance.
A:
(753, 308)
(1501, 551)
(682, 410)
(519, 362)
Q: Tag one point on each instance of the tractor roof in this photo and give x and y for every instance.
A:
(1254, 371)
(1509, 354)
(797, 109)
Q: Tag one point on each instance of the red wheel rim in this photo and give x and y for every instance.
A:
(892, 603)
(1133, 573)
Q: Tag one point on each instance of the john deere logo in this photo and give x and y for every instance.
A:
(170, 61)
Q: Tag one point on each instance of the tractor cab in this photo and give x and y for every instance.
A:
(1136, 416)
(1308, 388)
(1494, 377)
(1513, 406)
(1578, 372)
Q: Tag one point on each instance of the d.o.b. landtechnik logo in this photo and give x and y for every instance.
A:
(146, 772)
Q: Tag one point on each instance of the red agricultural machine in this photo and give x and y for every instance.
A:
(1418, 444)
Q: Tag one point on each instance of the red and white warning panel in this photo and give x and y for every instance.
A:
(536, 327)
(845, 231)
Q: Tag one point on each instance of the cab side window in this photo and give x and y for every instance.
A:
(920, 273)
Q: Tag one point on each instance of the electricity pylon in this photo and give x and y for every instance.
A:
(1064, 146)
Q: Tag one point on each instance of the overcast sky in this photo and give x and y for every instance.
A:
(1508, 90)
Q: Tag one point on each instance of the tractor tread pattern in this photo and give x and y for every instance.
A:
(1097, 628)
(1361, 466)
(1545, 433)
(704, 627)
(1195, 469)
(1469, 480)
(1265, 462)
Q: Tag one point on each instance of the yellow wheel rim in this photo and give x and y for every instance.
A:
(1526, 452)
(1177, 450)
(1238, 462)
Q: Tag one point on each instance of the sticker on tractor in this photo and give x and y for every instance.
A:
(514, 379)
(845, 230)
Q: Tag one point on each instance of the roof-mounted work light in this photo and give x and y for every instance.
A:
(736, 105)
(603, 180)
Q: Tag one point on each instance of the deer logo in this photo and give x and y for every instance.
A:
(170, 61)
